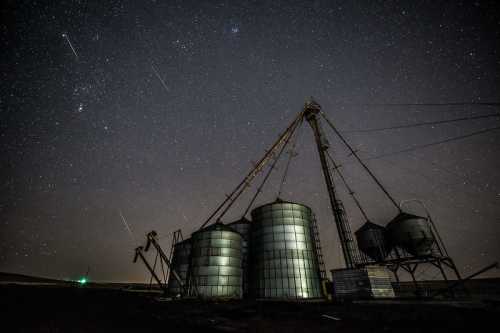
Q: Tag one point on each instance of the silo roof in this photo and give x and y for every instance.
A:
(369, 225)
(280, 201)
(405, 216)
(218, 226)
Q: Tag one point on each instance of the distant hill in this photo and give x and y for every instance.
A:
(13, 277)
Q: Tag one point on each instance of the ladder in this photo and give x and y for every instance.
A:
(319, 253)
(349, 241)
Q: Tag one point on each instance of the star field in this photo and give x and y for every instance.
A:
(157, 108)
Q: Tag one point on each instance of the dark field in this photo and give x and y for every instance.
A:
(84, 309)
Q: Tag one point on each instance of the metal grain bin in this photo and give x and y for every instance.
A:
(216, 262)
(349, 283)
(180, 263)
(380, 281)
(243, 227)
(367, 282)
(411, 233)
(372, 241)
(283, 254)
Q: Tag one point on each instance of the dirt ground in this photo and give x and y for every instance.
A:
(86, 309)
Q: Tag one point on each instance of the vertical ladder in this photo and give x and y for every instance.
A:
(349, 240)
(319, 253)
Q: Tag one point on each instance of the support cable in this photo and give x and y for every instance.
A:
(349, 189)
(432, 104)
(426, 123)
(251, 175)
(272, 167)
(353, 152)
(276, 157)
(407, 150)
(292, 154)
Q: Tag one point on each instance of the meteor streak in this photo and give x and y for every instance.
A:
(159, 78)
(127, 226)
(65, 35)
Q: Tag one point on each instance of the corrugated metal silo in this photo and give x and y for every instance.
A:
(411, 233)
(180, 263)
(216, 269)
(372, 241)
(283, 253)
(243, 227)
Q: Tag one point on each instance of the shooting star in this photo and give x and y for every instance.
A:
(65, 35)
(127, 226)
(159, 78)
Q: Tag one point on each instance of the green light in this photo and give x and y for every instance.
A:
(82, 281)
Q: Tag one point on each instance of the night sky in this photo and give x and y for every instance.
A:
(157, 109)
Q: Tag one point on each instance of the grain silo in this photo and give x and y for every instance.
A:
(243, 227)
(411, 233)
(180, 264)
(216, 269)
(283, 253)
(372, 241)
